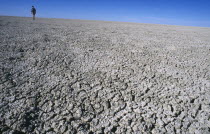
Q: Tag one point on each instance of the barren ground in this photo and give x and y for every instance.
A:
(72, 76)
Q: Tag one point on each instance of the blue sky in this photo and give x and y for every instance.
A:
(173, 12)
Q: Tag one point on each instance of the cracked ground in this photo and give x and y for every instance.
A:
(62, 76)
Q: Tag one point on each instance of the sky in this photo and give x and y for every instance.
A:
(172, 12)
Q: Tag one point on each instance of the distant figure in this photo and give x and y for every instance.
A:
(33, 12)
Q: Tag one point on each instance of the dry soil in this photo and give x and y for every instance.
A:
(93, 77)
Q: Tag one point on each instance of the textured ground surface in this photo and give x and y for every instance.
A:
(85, 77)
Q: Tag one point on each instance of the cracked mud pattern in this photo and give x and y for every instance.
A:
(89, 77)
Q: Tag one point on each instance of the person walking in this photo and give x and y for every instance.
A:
(33, 12)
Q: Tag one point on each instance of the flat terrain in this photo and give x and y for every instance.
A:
(73, 76)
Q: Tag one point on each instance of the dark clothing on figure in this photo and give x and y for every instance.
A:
(33, 12)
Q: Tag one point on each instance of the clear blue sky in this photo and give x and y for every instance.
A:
(175, 12)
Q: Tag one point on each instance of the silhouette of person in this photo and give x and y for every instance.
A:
(33, 12)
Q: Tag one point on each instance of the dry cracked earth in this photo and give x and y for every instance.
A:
(62, 76)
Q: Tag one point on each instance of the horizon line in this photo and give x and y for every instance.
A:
(107, 21)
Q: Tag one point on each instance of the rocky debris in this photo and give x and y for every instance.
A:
(86, 77)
